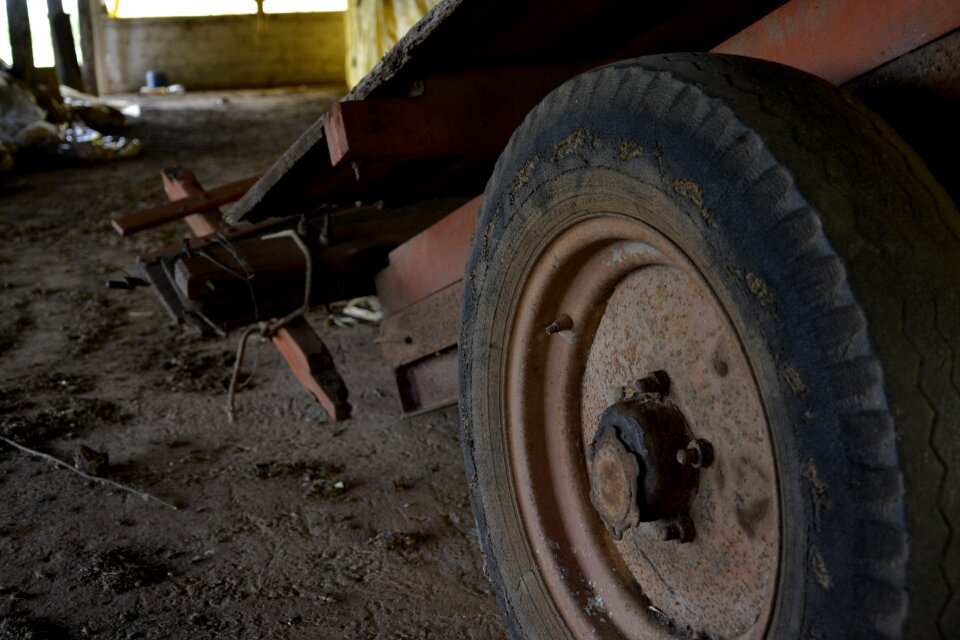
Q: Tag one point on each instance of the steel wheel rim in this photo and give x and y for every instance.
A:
(597, 585)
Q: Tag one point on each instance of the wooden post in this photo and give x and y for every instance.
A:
(20, 41)
(87, 15)
(64, 51)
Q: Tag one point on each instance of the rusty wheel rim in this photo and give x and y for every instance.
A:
(609, 300)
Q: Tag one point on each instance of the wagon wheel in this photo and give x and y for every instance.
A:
(709, 328)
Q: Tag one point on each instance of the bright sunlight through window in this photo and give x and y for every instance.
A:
(171, 8)
(40, 27)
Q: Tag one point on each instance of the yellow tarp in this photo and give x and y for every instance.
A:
(374, 26)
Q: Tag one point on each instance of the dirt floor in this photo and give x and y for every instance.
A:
(286, 526)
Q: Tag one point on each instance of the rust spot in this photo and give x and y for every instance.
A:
(694, 193)
(629, 149)
(759, 288)
(820, 569)
(570, 145)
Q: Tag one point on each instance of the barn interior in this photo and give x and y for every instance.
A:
(279, 524)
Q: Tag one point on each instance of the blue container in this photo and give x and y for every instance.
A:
(156, 79)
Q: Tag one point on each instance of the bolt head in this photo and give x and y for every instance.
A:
(697, 454)
(680, 529)
(689, 456)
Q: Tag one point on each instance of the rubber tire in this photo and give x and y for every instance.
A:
(838, 258)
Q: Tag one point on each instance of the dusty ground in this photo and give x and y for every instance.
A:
(287, 526)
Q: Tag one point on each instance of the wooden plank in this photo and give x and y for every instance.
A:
(269, 264)
(312, 365)
(428, 262)
(841, 39)
(181, 184)
(426, 327)
(181, 208)
(471, 113)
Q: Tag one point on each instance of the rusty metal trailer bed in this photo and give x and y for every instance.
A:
(700, 311)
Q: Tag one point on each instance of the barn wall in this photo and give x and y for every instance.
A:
(221, 52)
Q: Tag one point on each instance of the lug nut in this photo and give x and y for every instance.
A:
(562, 323)
(680, 529)
(699, 453)
(688, 457)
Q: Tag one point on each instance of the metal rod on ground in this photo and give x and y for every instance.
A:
(146, 497)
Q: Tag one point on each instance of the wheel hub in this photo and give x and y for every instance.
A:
(613, 482)
(635, 474)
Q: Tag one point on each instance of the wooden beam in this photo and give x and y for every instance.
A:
(181, 184)
(64, 50)
(471, 113)
(18, 20)
(269, 267)
(193, 201)
(312, 365)
(86, 15)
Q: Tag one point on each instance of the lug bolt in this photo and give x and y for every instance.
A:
(699, 453)
(562, 323)
(657, 382)
(680, 529)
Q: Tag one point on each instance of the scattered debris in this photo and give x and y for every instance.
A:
(161, 91)
(100, 113)
(60, 463)
(91, 461)
(400, 540)
(94, 321)
(21, 628)
(41, 119)
(121, 570)
(15, 317)
(349, 313)
(325, 488)
(306, 470)
(61, 417)
(198, 372)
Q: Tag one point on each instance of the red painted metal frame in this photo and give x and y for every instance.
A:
(429, 261)
(311, 363)
(841, 39)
